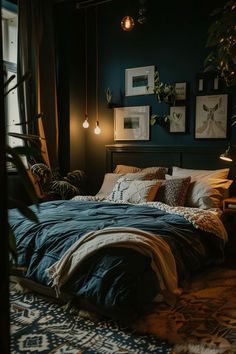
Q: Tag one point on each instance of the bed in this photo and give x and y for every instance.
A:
(138, 240)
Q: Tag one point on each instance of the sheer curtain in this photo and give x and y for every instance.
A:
(36, 56)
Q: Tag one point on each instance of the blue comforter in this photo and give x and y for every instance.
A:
(115, 282)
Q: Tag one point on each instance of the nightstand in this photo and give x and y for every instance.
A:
(229, 205)
(229, 220)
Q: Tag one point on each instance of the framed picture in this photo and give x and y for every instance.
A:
(139, 81)
(131, 123)
(177, 119)
(181, 91)
(211, 117)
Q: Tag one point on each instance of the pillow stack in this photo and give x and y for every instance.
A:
(207, 189)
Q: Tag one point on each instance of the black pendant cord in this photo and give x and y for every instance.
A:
(97, 64)
(86, 65)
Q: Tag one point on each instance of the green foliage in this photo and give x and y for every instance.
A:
(155, 119)
(13, 155)
(54, 186)
(164, 92)
(222, 42)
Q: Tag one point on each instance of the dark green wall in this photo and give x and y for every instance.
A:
(173, 39)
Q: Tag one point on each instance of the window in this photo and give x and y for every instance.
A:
(9, 42)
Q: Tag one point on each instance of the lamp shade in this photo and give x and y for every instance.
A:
(226, 156)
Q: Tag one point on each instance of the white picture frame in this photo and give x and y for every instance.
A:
(181, 91)
(139, 81)
(211, 117)
(178, 119)
(131, 123)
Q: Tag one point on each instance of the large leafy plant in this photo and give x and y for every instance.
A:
(55, 186)
(13, 156)
(222, 43)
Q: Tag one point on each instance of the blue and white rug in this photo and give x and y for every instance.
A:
(39, 325)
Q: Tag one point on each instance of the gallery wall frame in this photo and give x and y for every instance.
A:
(139, 81)
(209, 83)
(131, 123)
(211, 116)
(178, 119)
(181, 91)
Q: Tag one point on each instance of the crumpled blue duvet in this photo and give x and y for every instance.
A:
(116, 282)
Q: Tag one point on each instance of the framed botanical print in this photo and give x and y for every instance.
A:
(131, 123)
(211, 117)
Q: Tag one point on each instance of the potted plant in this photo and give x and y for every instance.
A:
(222, 42)
(164, 92)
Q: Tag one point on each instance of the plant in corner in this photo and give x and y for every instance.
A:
(222, 42)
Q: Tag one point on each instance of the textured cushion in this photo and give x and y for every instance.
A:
(197, 174)
(108, 184)
(206, 192)
(157, 172)
(173, 191)
(141, 191)
(122, 185)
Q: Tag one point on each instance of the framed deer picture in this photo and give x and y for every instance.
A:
(211, 117)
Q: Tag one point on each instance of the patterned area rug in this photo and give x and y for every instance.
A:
(202, 322)
(39, 325)
(204, 318)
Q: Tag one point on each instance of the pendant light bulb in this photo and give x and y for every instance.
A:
(97, 129)
(86, 122)
(127, 23)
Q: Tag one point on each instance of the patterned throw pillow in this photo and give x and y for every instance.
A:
(173, 192)
(123, 184)
(141, 191)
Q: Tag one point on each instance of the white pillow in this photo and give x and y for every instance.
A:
(108, 184)
(141, 191)
(206, 192)
(123, 184)
(198, 174)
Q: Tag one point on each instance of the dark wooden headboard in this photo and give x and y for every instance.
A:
(168, 156)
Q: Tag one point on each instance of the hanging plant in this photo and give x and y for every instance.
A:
(222, 42)
(165, 119)
(164, 92)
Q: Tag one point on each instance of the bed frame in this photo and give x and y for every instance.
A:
(154, 155)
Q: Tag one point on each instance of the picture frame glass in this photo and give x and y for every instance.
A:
(181, 91)
(211, 117)
(139, 81)
(178, 119)
(131, 123)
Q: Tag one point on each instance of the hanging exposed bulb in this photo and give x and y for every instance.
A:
(127, 23)
(86, 122)
(97, 130)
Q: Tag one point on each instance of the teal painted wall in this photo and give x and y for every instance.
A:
(173, 39)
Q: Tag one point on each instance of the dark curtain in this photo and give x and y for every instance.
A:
(36, 56)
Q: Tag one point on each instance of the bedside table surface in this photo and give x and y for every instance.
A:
(230, 200)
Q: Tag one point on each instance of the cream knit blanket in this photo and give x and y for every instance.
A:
(162, 259)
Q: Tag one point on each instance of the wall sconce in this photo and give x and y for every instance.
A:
(127, 23)
(227, 155)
